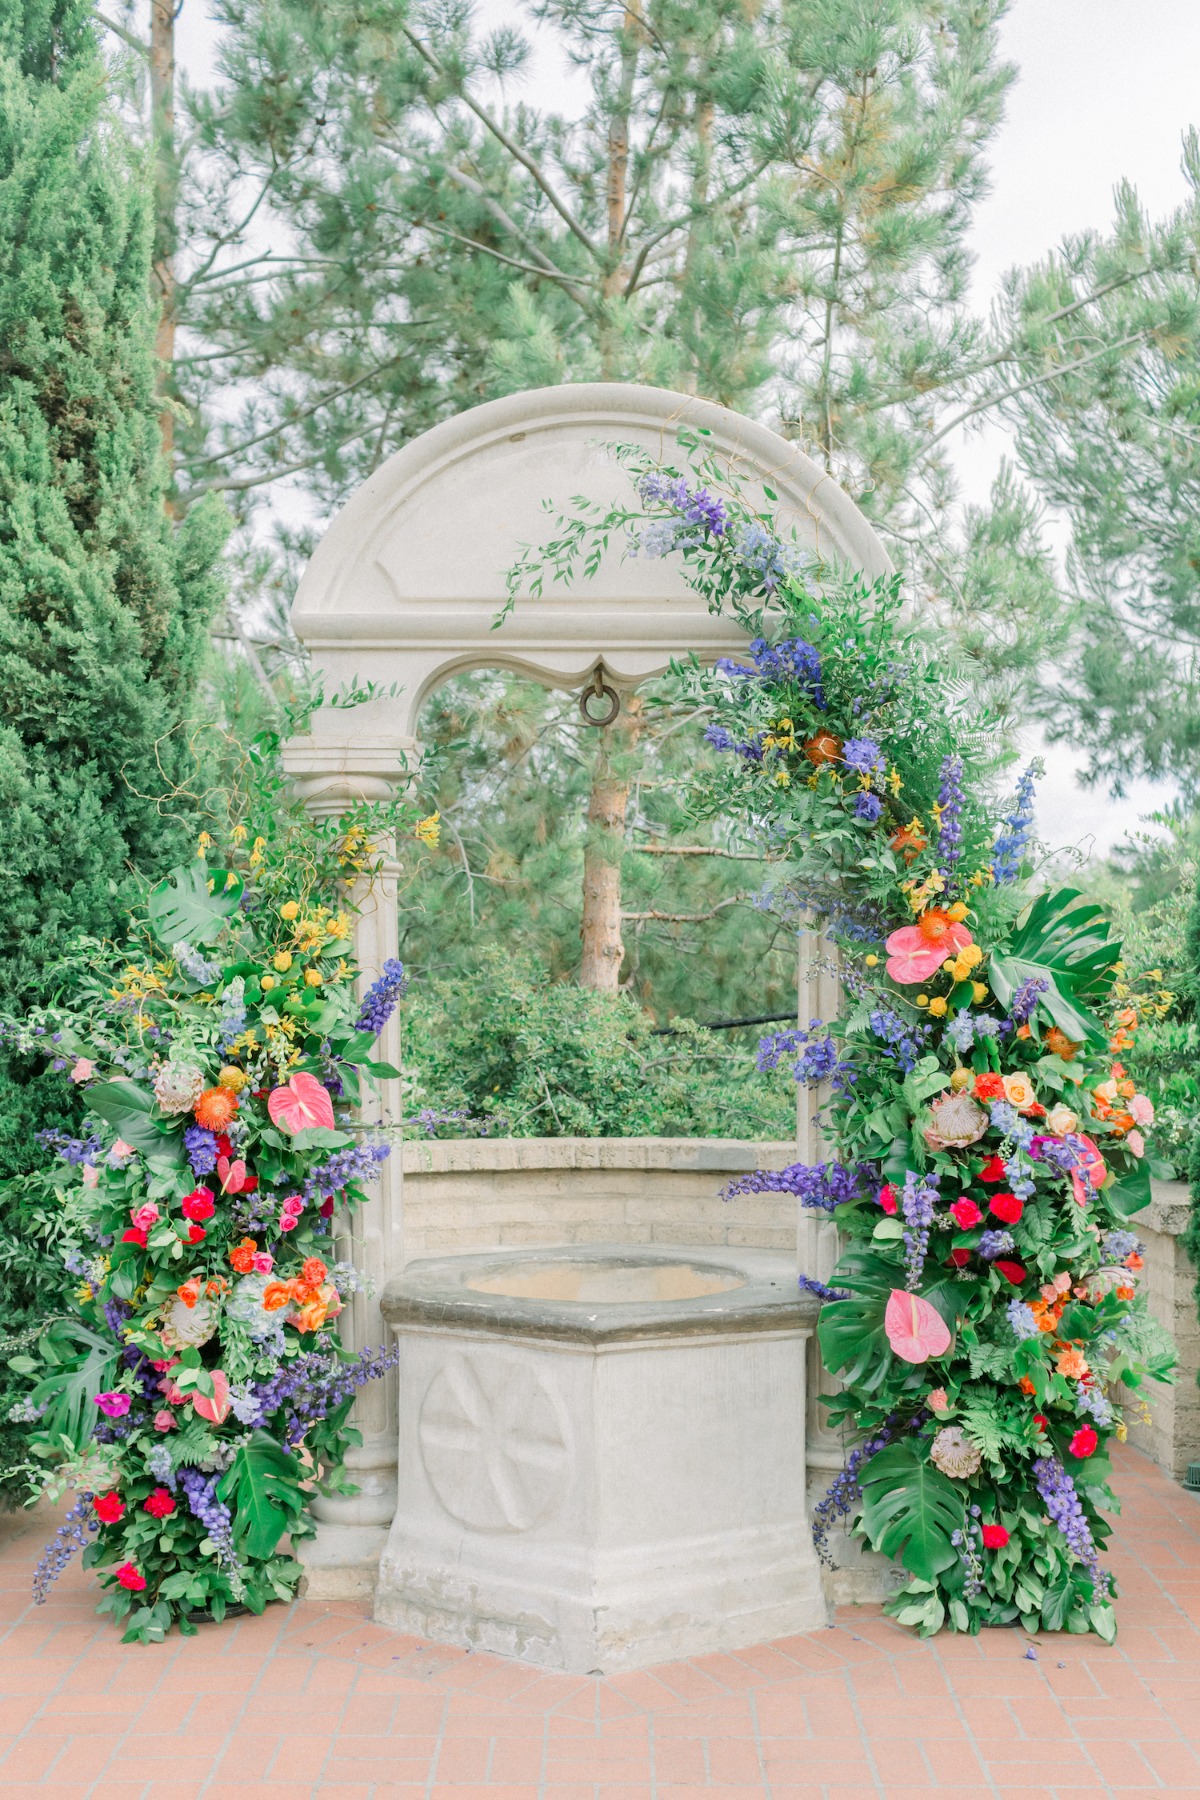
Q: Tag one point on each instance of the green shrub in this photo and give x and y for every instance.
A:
(516, 1054)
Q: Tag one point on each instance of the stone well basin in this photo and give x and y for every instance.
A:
(601, 1454)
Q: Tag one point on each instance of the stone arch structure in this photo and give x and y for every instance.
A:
(402, 592)
(404, 588)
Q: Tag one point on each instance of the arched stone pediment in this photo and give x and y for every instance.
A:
(405, 586)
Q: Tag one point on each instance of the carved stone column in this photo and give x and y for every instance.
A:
(343, 1559)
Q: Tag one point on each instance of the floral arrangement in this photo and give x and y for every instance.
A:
(986, 1144)
(194, 1392)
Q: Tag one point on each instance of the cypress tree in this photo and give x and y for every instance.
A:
(104, 601)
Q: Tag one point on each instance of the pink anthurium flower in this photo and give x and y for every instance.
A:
(214, 1407)
(233, 1174)
(916, 952)
(915, 1330)
(300, 1105)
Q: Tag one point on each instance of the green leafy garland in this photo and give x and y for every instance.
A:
(988, 1143)
(192, 1391)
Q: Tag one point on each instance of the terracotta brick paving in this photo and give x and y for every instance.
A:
(315, 1700)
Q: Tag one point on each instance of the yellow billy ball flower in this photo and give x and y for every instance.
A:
(312, 977)
(283, 961)
(871, 961)
(950, 965)
(289, 910)
(979, 989)
(922, 999)
(937, 1007)
(268, 982)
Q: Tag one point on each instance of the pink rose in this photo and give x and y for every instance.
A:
(120, 1154)
(263, 1262)
(83, 1070)
(164, 1420)
(293, 1206)
(1137, 1143)
(143, 1217)
(887, 1198)
(965, 1213)
(288, 1221)
(938, 1400)
(1141, 1108)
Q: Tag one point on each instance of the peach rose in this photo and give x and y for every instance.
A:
(1018, 1091)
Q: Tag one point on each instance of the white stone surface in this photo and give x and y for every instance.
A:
(601, 1506)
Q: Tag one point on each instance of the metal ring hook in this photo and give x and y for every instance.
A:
(599, 690)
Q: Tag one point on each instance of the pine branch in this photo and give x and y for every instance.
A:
(698, 850)
(670, 918)
(514, 149)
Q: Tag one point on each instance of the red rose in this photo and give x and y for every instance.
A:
(108, 1508)
(994, 1537)
(198, 1204)
(1006, 1207)
(196, 1234)
(134, 1236)
(1041, 1421)
(326, 1207)
(160, 1504)
(131, 1578)
(888, 1198)
(1011, 1271)
(249, 1183)
(1083, 1443)
(965, 1213)
(960, 1258)
(989, 1086)
(993, 1170)
(224, 1145)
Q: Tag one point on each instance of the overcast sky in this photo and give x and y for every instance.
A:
(1106, 90)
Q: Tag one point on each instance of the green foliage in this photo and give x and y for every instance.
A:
(509, 771)
(911, 1510)
(1104, 399)
(263, 1486)
(104, 602)
(522, 1055)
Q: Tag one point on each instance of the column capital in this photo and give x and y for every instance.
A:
(333, 775)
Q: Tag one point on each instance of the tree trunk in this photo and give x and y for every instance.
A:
(604, 847)
(162, 127)
(616, 193)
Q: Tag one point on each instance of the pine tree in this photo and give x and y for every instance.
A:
(104, 604)
(1107, 411)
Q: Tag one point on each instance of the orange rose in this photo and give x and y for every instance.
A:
(215, 1108)
(314, 1272)
(277, 1294)
(242, 1256)
(189, 1293)
(1072, 1363)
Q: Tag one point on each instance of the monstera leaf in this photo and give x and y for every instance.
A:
(1063, 940)
(910, 1509)
(193, 903)
(81, 1365)
(262, 1484)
